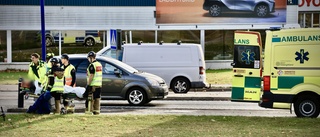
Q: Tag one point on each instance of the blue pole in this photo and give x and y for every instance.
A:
(43, 31)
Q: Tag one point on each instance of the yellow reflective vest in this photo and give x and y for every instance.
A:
(67, 74)
(40, 70)
(97, 78)
(58, 84)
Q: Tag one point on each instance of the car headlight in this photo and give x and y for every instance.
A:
(153, 82)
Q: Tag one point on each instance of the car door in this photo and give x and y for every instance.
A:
(112, 84)
(243, 5)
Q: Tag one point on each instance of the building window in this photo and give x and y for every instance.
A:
(309, 19)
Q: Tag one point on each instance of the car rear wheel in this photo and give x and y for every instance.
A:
(307, 106)
(137, 96)
(215, 10)
(89, 42)
(180, 85)
(261, 10)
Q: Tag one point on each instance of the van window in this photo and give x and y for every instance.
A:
(246, 56)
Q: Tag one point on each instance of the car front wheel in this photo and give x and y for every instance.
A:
(215, 10)
(136, 96)
(262, 10)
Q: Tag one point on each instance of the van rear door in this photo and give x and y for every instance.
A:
(247, 66)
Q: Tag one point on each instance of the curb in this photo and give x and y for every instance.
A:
(80, 110)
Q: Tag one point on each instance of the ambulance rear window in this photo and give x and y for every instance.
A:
(246, 57)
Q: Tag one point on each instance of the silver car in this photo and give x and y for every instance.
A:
(261, 8)
(121, 81)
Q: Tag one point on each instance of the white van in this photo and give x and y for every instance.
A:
(182, 66)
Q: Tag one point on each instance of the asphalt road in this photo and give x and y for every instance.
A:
(192, 103)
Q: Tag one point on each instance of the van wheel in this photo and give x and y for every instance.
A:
(215, 10)
(261, 10)
(136, 96)
(307, 106)
(89, 42)
(180, 85)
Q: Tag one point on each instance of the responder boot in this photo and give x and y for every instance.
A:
(96, 106)
(57, 105)
(89, 105)
(92, 105)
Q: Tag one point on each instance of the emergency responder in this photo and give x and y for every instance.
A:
(37, 70)
(94, 83)
(48, 57)
(69, 71)
(55, 82)
(69, 77)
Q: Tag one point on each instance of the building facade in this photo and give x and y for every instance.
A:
(150, 21)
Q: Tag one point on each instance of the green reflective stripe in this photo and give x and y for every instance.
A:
(287, 82)
(237, 93)
(252, 82)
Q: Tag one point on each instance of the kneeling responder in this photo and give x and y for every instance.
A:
(94, 83)
(55, 82)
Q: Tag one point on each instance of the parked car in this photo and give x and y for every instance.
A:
(121, 81)
(261, 8)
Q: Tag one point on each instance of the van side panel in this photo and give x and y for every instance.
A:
(168, 61)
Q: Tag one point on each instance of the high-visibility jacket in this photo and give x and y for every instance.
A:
(58, 83)
(97, 78)
(38, 72)
(67, 74)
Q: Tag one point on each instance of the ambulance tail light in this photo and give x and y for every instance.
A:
(266, 83)
(201, 70)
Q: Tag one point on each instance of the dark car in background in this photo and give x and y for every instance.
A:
(121, 81)
(260, 8)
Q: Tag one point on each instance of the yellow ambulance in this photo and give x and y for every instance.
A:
(247, 66)
(290, 71)
(291, 74)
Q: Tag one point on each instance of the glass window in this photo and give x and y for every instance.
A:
(147, 36)
(173, 36)
(218, 44)
(246, 57)
(3, 46)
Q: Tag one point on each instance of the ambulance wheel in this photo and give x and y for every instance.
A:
(89, 42)
(180, 85)
(136, 96)
(307, 106)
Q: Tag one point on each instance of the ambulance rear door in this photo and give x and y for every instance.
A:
(247, 66)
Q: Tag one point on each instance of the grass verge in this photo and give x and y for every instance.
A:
(156, 125)
(218, 77)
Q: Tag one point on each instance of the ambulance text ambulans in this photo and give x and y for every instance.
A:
(290, 71)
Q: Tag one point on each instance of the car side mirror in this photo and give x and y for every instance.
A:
(117, 72)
